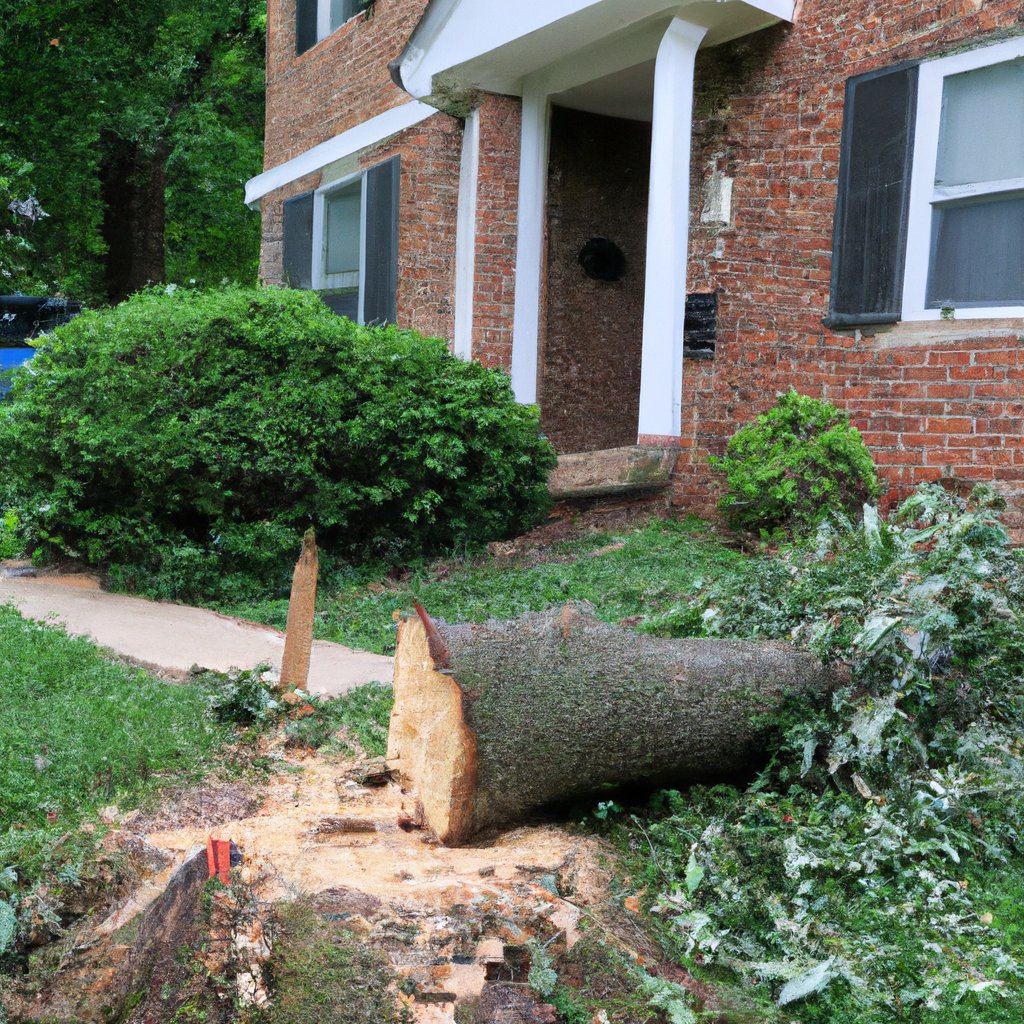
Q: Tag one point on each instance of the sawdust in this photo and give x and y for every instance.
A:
(285, 849)
(446, 918)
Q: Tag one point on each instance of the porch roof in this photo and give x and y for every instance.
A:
(491, 45)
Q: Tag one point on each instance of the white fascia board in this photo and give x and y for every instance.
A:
(455, 33)
(361, 137)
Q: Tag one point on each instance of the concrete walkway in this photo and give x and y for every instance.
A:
(171, 638)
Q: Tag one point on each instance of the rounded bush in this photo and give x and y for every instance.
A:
(192, 435)
(792, 466)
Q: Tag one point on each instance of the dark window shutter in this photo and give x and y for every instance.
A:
(298, 241)
(305, 25)
(381, 249)
(870, 234)
(344, 303)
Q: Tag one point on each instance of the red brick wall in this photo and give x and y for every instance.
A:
(428, 212)
(933, 400)
(497, 217)
(340, 82)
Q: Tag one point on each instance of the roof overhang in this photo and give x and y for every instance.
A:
(492, 46)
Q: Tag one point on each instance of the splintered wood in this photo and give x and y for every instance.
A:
(493, 721)
(298, 640)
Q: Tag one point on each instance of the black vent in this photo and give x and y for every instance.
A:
(701, 325)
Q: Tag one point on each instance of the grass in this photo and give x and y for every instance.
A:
(322, 972)
(80, 732)
(635, 572)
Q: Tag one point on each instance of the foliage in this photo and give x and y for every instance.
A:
(793, 465)
(115, 111)
(598, 982)
(863, 876)
(247, 698)
(12, 536)
(642, 570)
(16, 249)
(230, 421)
(322, 972)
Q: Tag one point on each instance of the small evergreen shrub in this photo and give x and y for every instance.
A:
(792, 466)
(187, 439)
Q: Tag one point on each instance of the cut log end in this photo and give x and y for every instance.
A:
(430, 745)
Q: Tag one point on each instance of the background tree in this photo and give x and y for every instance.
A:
(142, 123)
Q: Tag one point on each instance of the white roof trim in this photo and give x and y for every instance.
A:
(362, 136)
(490, 44)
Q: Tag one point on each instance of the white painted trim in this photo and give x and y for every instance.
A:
(923, 192)
(668, 224)
(361, 137)
(533, 180)
(323, 19)
(465, 238)
(361, 298)
(454, 33)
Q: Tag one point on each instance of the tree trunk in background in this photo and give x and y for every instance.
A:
(493, 721)
(133, 222)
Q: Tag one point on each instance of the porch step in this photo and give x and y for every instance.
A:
(635, 469)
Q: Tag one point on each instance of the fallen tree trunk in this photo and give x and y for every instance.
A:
(492, 721)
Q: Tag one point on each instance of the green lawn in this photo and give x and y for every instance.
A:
(635, 572)
(79, 732)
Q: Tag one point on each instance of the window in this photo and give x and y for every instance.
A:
(317, 19)
(342, 241)
(930, 215)
(965, 241)
(338, 232)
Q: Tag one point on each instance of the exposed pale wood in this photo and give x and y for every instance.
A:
(493, 721)
(298, 640)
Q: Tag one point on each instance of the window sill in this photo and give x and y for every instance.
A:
(908, 333)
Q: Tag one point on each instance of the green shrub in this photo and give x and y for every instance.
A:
(792, 466)
(189, 438)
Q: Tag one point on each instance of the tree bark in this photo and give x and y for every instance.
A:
(133, 221)
(493, 721)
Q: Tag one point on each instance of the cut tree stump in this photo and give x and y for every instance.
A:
(493, 721)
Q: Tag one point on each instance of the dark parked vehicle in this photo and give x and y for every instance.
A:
(23, 317)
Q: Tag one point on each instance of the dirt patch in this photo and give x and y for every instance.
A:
(455, 926)
(65, 574)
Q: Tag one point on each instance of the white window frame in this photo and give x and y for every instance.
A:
(323, 20)
(322, 281)
(923, 190)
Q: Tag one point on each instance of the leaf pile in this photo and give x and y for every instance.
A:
(874, 870)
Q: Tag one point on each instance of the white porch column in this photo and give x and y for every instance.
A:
(533, 180)
(668, 221)
(465, 237)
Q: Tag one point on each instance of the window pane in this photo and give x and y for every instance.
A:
(978, 254)
(982, 132)
(341, 11)
(341, 226)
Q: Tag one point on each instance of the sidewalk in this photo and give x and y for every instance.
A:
(171, 638)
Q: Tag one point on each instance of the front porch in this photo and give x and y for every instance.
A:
(605, 144)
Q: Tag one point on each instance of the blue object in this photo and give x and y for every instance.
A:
(12, 357)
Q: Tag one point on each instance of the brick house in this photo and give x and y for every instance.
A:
(830, 193)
